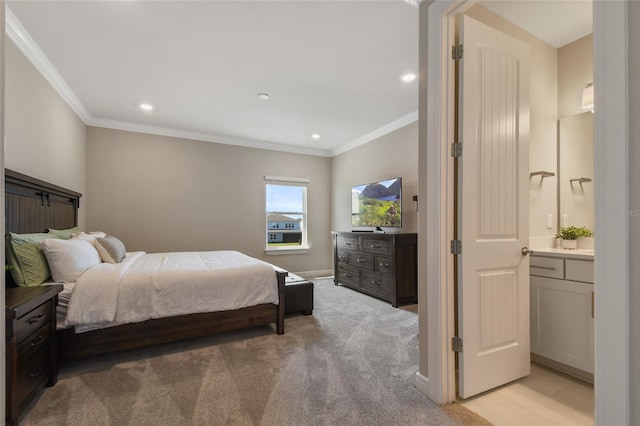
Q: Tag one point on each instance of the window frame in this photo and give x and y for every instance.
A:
(287, 181)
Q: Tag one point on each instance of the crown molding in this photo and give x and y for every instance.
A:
(401, 122)
(183, 134)
(23, 41)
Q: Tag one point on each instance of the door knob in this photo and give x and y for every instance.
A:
(525, 251)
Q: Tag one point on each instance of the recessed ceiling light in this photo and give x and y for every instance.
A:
(263, 96)
(409, 77)
(315, 136)
(146, 107)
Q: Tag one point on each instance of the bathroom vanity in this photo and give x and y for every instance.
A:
(562, 310)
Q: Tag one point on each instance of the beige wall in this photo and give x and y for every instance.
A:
(575, 71)
(392, 155)
(634, 205)
(543, 95)
(162, 194)
(44, 137)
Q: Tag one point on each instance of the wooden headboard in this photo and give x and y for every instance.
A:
(32, 205)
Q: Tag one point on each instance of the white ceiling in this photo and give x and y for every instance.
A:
(556, 22)
(329, 67)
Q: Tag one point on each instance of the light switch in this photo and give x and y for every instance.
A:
(549, 221)
(565, 220)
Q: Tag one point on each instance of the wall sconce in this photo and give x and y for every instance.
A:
(587, 97)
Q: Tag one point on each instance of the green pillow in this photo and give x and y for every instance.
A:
(64, 234)
(27, 261)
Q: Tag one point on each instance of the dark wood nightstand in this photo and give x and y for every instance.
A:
(31, 349)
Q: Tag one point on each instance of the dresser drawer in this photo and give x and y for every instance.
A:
(551, 267)
(32, 321)
(384, 265)
(376, 246)
(347, 242)
(347, 275)
(579, 270)
(376, 283)
(343, 256)
(361, 260)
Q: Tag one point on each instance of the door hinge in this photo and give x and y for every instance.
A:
(456, 52)
(456, 247)
(456, 344)
(456, 149)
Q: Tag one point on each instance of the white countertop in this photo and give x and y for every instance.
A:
(583, 254)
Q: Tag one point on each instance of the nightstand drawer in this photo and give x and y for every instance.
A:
(37, 341)
(33, 373)
(32, 321)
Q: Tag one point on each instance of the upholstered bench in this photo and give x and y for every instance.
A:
(298, 295)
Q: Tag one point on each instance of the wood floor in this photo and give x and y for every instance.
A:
(546, 397)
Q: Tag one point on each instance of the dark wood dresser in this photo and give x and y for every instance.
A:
(381, 265)
(31, 349)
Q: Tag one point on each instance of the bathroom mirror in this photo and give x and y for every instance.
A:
(575, 171)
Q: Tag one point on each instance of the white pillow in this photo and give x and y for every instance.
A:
(91, 236)
(68, 259)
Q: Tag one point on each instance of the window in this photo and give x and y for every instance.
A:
(286, 213)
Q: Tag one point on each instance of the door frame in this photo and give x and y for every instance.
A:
(436, 377)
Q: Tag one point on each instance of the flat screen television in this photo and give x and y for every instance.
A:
(377, 204)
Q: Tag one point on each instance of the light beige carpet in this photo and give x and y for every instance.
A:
(352, 363)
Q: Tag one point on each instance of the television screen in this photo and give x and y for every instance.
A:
(377, 204)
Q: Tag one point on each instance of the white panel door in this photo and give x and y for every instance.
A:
(493, 209)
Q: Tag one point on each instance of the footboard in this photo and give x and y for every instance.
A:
(172, 329)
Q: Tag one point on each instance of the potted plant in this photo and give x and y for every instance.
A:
(571, 234)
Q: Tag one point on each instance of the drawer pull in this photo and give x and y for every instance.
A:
(35, 319)
(342, 257)
(347, 274)
(376, 282)
(38, 371)
(347, 244)
(375, 245)
(361, 260)
(549, 268)
(385, 265)
(40, 340)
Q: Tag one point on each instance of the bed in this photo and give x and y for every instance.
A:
(32, 205)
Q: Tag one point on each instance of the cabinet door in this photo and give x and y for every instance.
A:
(562, 322)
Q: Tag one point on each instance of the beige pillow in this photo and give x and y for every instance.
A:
(111, 249)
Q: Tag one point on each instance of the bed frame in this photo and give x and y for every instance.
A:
(32, 205)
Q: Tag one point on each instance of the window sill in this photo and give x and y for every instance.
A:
(274, 251)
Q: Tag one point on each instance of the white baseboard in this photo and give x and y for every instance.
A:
(422, 384)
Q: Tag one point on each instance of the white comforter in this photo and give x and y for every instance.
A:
(146, 286)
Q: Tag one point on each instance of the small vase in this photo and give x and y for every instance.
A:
(569, 244)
